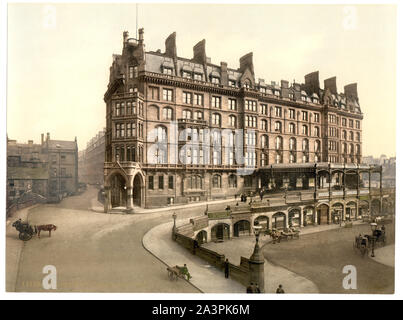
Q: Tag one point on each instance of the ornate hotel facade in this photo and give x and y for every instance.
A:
(302, 136)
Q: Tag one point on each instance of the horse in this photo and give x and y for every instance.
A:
(45, 227)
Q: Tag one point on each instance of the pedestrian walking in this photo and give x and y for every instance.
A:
(226, 268)
(185, 271)
(249, 289)
(257, 289)
(280, 289)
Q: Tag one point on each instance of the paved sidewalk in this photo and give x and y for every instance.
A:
(98, 207)
(14, 248)
(204, 276)
(385, 255)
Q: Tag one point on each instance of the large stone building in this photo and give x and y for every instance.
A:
(291, 128)
(91, 160)
(48, 169)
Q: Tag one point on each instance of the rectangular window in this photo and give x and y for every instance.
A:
(131, 72)
(168, 71)
(198, 76)
(187, 97)
(316, 117)
(151, 182)
(292, 113)
(216, 102)
(263, 109)
(278, 111)
(198, 99)
(161, 182)
(171, 182)
(215, 80)
(357, 124)
(351, 123)
(304, 115)
(232, 83)
(186, 75)
(155, 93)
(251, 105)
(167, 94)
(232, 104)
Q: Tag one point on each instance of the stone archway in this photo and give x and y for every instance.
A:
(323, 214)
(294, 217)
(242, 228)
(337, 212)
(201, 237)
(309, 216)
(138, 190)
(279, 220)
(263, 221)
(117, 185)
(220, 232)
(351, 211)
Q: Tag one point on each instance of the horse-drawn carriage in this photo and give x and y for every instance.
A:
(178, 272)
(364, 243)
(26, 231)
(278, 235)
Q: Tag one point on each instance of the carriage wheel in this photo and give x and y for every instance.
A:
(24, 236)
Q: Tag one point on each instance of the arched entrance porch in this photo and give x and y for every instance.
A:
(220, 232)
(242, 228)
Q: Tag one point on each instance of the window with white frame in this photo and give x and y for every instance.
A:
(167, 113)
(232, 104)
(198, 99)
(216, 119)
(187, 97)
(216, 102)
(167, 94)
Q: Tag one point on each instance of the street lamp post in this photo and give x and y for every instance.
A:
(256, 261)
(174, 226)
(373, 228)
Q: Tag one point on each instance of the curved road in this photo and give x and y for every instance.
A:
(95, 252)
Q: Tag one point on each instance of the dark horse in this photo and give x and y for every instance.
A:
(45, 227)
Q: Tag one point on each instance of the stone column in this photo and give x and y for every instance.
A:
(256, 266)
(107, 200)
(129, 200)
(315, 215)
(301, 216)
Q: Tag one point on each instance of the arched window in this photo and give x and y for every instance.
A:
(195, 182)
(291, 128)
(232, 181)
(198, 115)
(167, 113)
(216, 181)
(344, 135)
(264, 161)
(305, 145)
(357, 136)
(293, 144)
(263, 125)
(216, 119)
(351, 135)
(264, 141)
(187, 114)
(154, 112)
(292, 157)
(161, 133)
(358, 149)
(279, 143)
(344, 148)
(351, 149)
(305, 130)
(232, 121)
(305, 158)
(317, 146)
(316, 132)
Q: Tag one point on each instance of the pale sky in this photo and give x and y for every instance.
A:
(59, 57)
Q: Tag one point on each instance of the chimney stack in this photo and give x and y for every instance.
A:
(42, 138)
(170, 46)
(199, 52)
(312, 83)
(350, 91)
(331, 85)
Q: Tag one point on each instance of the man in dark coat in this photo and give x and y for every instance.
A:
(280, 289)
(226, 268)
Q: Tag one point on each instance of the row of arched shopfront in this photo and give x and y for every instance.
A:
(300, 216)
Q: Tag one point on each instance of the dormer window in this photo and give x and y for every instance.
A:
(262, 89)
(168, 71)
(187, 75)
(215, 80)
(291, 96)
(232, 83)
(276, 92)
(198, 76)
(303, 98)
